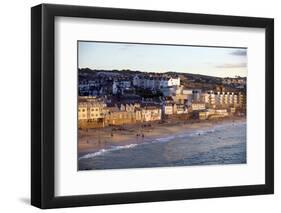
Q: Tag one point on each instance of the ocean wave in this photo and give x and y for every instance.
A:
(165, 139)
(104, 151)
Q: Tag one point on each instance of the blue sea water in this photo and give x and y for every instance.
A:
(221, 144)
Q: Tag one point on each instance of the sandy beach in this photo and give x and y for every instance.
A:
(93, 140)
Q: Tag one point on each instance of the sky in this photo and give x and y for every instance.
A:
(212, 61)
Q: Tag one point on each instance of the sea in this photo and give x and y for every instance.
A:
(218, 145)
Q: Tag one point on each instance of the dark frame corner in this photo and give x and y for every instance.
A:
(42, 105)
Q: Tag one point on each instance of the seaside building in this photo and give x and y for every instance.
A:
(174, 109)
(151, 113)
(119, 114)
(91, 110)
(180, 109)
(197, 106)
(213, 114)
(209, 98)
(118, 117)
(168, 109)
(224, 99)
(167, 106)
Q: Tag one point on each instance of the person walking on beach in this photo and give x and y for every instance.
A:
(137, 137)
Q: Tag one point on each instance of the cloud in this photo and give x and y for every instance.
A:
(239, 52)
(227, 65)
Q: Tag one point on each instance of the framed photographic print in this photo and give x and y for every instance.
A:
(139, 106)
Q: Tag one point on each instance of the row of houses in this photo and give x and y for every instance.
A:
(120, 85)
(97, 113)
(94, 111)
(155, 82)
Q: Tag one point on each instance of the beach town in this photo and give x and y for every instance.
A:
(119, 107)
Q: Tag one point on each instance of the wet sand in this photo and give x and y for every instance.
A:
(92, 140)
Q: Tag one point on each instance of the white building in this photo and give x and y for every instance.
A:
(168, 109)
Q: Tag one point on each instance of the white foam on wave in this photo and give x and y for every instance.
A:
(104, 151)
(165, 139)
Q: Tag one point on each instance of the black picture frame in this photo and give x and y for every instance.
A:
(43, 102)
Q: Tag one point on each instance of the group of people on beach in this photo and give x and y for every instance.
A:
(142, 135)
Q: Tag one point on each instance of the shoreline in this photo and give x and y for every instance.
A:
(94, 140)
